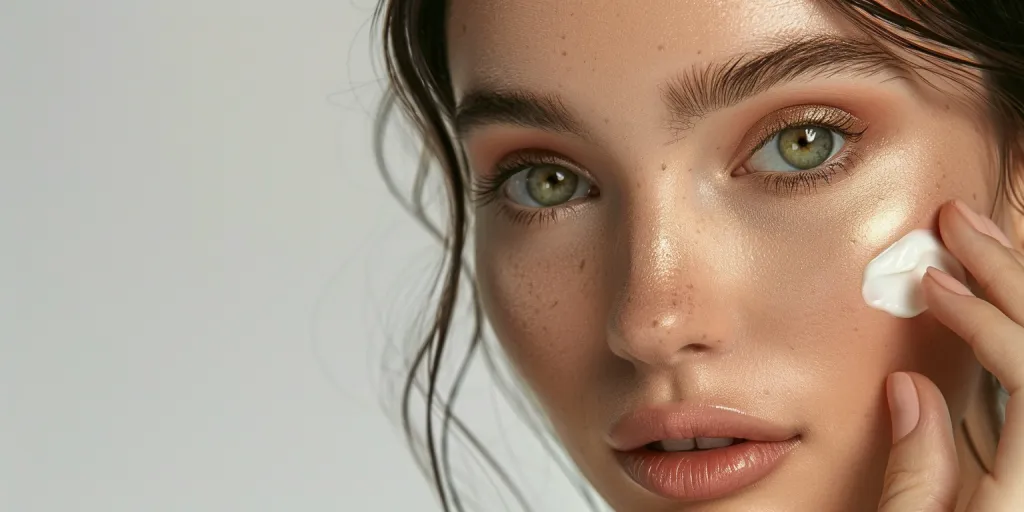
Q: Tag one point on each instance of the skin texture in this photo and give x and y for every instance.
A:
(686, 278)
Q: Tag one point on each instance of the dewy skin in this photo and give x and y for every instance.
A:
(892, 281)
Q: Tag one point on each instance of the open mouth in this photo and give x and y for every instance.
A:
(693, 444)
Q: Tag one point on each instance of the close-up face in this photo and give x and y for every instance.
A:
(676, 204)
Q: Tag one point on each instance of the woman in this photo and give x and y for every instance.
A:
(674, 204)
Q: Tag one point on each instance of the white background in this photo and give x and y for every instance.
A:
(203, 281)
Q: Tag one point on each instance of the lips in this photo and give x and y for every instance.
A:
(700, 474)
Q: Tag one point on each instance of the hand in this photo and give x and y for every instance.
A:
(922, 475)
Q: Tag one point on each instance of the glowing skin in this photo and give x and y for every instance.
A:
(892, 281)
(685, 278)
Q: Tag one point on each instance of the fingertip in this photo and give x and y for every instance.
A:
(947, 282)
(904, 404)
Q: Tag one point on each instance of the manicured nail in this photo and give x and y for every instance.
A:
(948, 282)
(904, 406)
(994, 232)
(971, 216)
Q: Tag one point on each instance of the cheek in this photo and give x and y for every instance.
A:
(538, 295)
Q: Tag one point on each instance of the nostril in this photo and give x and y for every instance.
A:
(697, 348)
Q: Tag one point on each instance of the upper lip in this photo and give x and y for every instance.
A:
(685, 421)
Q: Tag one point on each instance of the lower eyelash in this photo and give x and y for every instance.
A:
(534, 215)
(806, 181)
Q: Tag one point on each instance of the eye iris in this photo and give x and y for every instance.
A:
(551, 185)
(805, 147)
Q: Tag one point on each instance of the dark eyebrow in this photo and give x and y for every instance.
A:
(694, 94)
(484, 107)
(703, 90)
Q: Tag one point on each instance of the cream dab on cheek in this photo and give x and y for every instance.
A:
(892, 281)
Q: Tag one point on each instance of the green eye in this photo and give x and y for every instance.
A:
(805, 147)
(545, 186)
(550, 185)
(797, 148)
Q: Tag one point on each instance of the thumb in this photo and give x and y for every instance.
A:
(922, 475)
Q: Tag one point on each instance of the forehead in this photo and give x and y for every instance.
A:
(558, 45)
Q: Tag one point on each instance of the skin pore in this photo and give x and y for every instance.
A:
(689, 264)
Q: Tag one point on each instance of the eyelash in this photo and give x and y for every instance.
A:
(486, 189)
(797, 182)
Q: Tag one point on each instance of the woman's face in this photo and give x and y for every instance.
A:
(694, 190)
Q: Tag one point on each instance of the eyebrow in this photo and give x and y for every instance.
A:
(696, 93)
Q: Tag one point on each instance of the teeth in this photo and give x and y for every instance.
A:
(700, 443)
(705, 443)
(678, 445)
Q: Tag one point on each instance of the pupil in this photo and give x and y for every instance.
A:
(550, 185)
(805, 147)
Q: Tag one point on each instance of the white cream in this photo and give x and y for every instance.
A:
(892, 281)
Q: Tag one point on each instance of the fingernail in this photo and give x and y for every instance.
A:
(948, 282)
(994, 232)
(970, 216)
(904, 406)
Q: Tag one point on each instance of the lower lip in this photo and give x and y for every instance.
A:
(704, 474)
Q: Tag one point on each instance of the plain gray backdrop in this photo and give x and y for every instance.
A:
(201, 272)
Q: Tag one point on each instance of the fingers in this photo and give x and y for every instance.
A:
(998, 341)
(994, 330)
(922, 474)
(986, 253)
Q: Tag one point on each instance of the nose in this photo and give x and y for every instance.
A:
(666, 309)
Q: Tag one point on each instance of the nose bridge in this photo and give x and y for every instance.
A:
(664, 307)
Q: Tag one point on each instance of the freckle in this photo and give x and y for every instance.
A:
(553, 304)
(663, 166)
(564, 53)
(974, 196)
(606, 120)
(661, 47)
(855, 329)
(463, 28)
(689, 286)
(764, 392)
(654, 323)
(583, 263)
(698, 52)
(947, 106)
(563, 37)
(690, 169)
(675, 303)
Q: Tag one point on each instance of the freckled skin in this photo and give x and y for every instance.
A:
(682, 282)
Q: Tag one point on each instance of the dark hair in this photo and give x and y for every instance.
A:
(960, 40)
